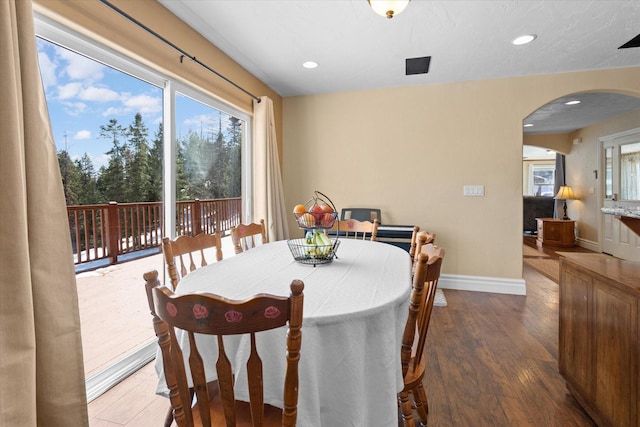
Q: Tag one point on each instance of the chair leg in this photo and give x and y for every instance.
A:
(168, 420)
(407, 411)
(422, 404)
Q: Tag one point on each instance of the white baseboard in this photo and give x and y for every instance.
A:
(483, 284)
(588, 244)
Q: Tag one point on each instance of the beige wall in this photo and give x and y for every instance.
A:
(559, 142)
(411, 150)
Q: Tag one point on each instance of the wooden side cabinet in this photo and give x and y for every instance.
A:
(556, 232)
(598, 336)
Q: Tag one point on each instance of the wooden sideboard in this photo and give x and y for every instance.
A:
(556, 232)
(598, 351)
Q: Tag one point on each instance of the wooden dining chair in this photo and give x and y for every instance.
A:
(422, 238)
(210, 314)
(425, 283)
(192, 248)
(414, 241)
(244, 237)
(354, 229)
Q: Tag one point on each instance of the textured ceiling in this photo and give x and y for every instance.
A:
(556, 117)
(467, 40)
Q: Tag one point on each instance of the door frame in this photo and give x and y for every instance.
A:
(618, 138)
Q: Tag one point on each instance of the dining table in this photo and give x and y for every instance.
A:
(355, 310)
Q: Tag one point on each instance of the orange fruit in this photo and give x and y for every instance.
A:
(298, 210)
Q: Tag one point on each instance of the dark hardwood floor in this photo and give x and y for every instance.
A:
(492, 362)
(493, 359)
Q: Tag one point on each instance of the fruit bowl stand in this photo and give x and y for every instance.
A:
(316, 247)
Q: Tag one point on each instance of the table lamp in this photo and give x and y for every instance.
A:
(565, 193)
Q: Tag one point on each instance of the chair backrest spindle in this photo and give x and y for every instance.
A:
(186, 246)
(244, 236)
(352, 228)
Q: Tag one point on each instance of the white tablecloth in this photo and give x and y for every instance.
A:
(355, 309)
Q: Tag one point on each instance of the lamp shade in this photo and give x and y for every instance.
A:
(565, 193)
(388, 8)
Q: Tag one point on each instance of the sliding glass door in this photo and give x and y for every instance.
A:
(141, 157)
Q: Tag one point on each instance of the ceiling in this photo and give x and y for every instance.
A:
(466, 40)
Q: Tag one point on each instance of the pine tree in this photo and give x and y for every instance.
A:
(155, 166)
(137, 162)
(198, 153)
(217, 173)
(112, 181)
(70, 178)
(88, 193)
(235, 157)
(182, 181)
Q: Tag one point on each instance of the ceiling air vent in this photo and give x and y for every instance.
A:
(634, 42)
(417, 65)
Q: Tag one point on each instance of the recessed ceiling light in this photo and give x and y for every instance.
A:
(524, 39)
(310, 64)
(528, 125)
(574, 102)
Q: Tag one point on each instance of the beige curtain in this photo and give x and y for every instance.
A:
(41, 369)
(268, 193)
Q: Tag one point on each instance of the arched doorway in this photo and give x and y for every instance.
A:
(573, 125)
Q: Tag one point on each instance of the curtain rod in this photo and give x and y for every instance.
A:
(182, 52)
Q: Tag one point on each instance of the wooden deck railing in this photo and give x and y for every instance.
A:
(115, 229)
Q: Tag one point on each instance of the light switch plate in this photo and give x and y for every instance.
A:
(473, 190)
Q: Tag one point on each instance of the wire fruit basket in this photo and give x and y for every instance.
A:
(306, 253)
(319, 212)
(316, 216)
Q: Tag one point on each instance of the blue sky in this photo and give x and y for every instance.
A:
(83, 95)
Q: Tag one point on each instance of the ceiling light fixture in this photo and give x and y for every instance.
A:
(310, 64)
(528, 125)
(574, 102)
(524, 39)
(388, 8)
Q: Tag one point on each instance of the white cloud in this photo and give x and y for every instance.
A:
(99, 160)
(81, 68)
(70, 90)
(208, 122)
(101, 94)
(75, 108)
(96, 160)
(144, 104)
(47, 70)
(82, 134)
(113, 111)
(204, 120)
